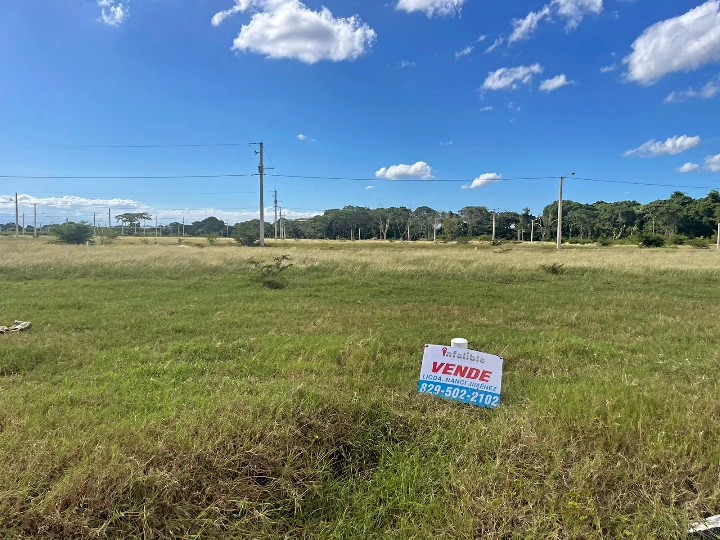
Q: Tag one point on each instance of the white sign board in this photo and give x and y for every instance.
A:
(463, 375)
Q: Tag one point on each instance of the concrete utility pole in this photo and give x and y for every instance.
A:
(35, 220)
(183, 227)
(261, 170)
(156, 228)
(532, 231)
(276, 221)
(493, 237)
(23, 223)
(17, 217)
(109, 222)
(560, 205)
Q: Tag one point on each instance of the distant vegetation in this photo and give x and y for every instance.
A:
(676, 220)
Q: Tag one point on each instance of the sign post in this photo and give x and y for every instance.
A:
(461, 374)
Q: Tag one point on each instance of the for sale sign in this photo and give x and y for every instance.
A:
(463, 375)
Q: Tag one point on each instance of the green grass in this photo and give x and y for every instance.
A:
(163, 392)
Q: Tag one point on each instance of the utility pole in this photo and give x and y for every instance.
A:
(94, 223)
(156, 229)
(23, 223)
(35, 220)
(183, 227)
(532, 231)
(261, 170)
(276, 221)
(494, 223)
(109, 222)
(560, 205)
(17, 217)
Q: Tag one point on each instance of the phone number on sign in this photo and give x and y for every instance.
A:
(460, 394)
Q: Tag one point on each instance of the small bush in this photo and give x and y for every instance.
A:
(651, 241)
(553, 268)
(212, 239)
(271, 274)
(106, 235)
(699, 243)
(247, 238)
(605, 242)
(73, 233)
(678, 240)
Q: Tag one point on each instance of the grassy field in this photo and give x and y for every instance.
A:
(164, 392)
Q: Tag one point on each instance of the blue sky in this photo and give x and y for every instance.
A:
(470, 90)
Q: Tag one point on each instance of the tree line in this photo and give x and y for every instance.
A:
(679, 216)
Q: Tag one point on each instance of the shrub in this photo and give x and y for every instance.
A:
(106, 235)
(651, 240)
(699, 243)
(605, 242)
(554, 268)
(247, 238)
(677, 240)
(271, 274)
(73, 233)
(212, 239)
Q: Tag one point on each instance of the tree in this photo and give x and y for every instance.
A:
(73, 233)
(210, 225)
(132, 218)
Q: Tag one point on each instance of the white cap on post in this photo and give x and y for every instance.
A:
(460, 343)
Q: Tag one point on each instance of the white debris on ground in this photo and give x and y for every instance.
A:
(708, 528)
(19, 326)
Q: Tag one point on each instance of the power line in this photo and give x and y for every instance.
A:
(130, 177)
(334, 178)
(686, 186)
(125, 193)
(429, 181)
(108, 146)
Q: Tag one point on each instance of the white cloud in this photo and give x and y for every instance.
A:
(682, 44)
(368, 188)
(420, 171)
(510, 78)
(523, 28)
(608, 69)
(709, 91)
(688, 168)
(72, 207)
(448, 143)
(498, 41)
(670, 147)
(483, 180)
(289, 29)
(482, 38)
(405, 64)
(305, 138)
(550, 85)
(486, 108)
(465, 52)
(431, 8)
(574, 11)
(712, 163)
(113, 12)
(228, 216)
